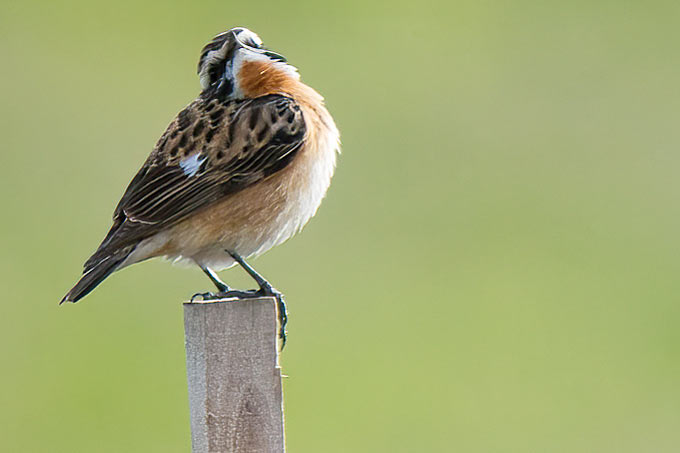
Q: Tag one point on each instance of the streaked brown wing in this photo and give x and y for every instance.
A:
(211, 150)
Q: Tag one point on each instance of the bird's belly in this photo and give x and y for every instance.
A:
(257, 218)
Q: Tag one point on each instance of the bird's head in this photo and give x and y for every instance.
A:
(235, 65)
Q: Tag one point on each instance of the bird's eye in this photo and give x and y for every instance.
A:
(252, 43)
(249, 39)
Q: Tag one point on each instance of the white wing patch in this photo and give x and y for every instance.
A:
(191, 164)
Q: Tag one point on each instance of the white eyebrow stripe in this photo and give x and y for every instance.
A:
(191, 164)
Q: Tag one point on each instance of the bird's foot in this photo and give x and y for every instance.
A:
(205, 296)
(265, 291)
(283, 312)
(229, 294)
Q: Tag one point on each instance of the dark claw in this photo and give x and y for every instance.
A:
(268, 290)
(249, 294)
(283, 318)
(204, 296)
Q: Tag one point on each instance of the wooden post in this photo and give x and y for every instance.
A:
(235, 396)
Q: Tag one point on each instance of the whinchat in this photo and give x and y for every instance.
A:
(239, 170)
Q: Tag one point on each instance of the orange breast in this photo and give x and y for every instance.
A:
(259, 78)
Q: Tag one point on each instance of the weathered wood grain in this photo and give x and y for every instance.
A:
(235, 396)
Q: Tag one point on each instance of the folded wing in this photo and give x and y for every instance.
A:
(210, 151)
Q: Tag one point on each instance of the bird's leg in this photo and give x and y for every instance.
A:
(266, 289)
(221, 286)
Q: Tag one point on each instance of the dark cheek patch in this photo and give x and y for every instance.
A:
(215, 72)
(224, 88)
(220, 87)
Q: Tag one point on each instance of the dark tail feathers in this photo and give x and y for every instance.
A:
(95, 273)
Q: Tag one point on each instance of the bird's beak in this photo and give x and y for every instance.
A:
(271, 55)
(274, 56)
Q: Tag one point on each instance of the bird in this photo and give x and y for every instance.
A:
(238, 171)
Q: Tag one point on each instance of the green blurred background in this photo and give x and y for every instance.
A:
(495, 268)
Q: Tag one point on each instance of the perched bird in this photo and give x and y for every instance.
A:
(239, 170)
